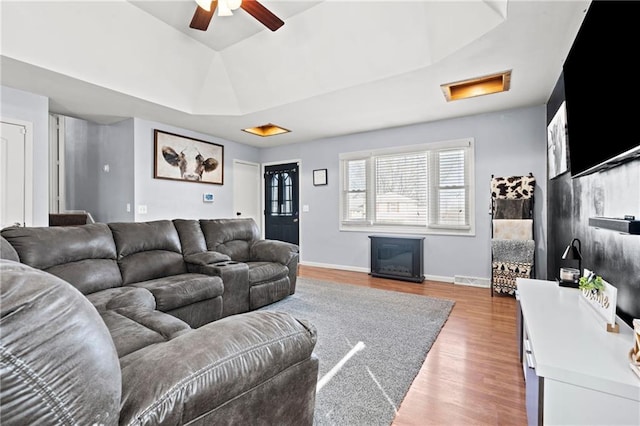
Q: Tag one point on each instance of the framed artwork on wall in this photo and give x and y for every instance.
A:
(182, 158)
(557, 143)
(320, 177)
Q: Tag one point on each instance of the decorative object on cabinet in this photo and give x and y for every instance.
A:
(512, 236)
(634, 354)
(601, 297)
(592, 283)
(568, 278)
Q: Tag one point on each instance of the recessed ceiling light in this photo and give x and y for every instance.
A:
(268, 129)
(494, 83)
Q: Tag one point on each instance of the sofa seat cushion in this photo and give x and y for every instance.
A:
(181, 290)
(134, 328)
(122, 297)
(266, 271)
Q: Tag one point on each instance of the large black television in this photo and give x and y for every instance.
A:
(601, 88)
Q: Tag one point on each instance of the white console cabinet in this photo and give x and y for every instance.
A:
(576, 372)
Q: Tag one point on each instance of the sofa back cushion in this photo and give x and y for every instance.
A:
(232, 237)
(59, 363)
(191, 237)
(147, 250)
(84, 256)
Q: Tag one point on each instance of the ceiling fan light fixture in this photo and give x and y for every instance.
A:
(234, 4)
(485, 85)
(268, 129)
(223, 8)
(205, 4)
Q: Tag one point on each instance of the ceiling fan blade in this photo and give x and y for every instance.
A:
(262, 14)
(202, 18)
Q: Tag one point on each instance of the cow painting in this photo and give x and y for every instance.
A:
(191, 168)
(187, 159)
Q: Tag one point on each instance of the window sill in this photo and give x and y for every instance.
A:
(465, 232)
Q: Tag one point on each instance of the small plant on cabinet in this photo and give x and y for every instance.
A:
(592, 283)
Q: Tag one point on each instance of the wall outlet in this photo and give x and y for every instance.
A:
(142, 209)
(207, 197)
(128, 207)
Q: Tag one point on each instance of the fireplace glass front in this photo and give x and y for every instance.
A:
(398, 258)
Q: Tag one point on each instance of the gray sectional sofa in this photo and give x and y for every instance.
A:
(151, 323)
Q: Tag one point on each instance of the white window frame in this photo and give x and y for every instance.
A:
(369, 226)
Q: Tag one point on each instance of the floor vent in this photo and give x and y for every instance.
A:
(472, 281)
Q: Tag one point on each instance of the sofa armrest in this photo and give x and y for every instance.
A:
(205, 258)
(197, 372)
(273, 251)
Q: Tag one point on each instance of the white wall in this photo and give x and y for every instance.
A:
(166, 199)
(34, 109)
(506, 143)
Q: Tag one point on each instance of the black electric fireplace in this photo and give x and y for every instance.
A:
(398, 258)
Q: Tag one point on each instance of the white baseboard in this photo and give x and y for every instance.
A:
(367, 270)
(472, 281)
(332, 266)
(439, 278)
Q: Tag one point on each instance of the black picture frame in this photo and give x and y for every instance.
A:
(320, 177)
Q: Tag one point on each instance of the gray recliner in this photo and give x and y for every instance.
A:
(60, 365)
(272, 265)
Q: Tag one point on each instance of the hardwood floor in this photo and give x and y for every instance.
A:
(472, 374)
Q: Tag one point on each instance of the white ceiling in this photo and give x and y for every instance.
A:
(335, 67)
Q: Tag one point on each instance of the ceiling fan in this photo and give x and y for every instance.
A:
(202, 16)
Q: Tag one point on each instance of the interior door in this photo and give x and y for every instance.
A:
(281, 202)
(12, 175)
(246, 190)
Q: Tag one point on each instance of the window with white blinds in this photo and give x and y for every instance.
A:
(422, 188)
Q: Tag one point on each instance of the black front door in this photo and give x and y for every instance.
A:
(281, 202)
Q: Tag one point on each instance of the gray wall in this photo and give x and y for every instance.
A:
(116, 188)
(506, 143)
(128, 148)
(166, 199)
(89, 147)
(81, 160)
(25, 106)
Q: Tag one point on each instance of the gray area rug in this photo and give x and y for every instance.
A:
(371, 345)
